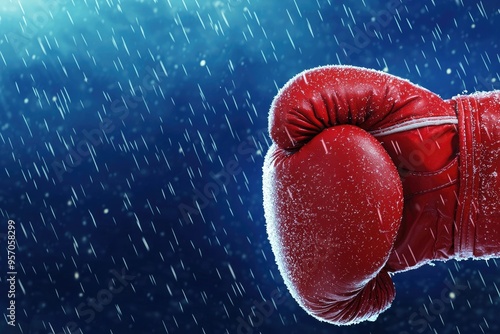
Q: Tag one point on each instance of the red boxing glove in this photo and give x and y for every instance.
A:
(369, 175)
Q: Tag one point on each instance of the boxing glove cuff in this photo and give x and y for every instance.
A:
(477, 220)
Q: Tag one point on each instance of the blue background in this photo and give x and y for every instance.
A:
(132, 136)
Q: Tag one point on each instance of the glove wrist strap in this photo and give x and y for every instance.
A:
(469, 180)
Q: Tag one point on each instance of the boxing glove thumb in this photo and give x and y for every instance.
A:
(333, 208)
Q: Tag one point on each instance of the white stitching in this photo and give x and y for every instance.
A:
(415, 124)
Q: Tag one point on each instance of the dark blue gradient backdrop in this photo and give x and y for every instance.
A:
(132, 136)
